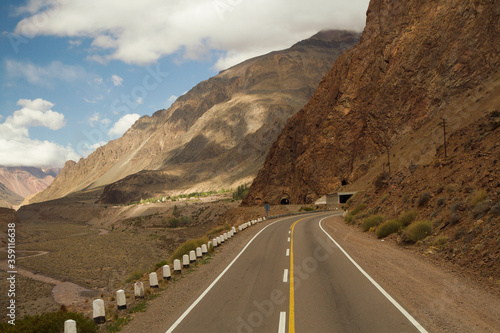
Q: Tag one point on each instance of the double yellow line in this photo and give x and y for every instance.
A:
(291, 318)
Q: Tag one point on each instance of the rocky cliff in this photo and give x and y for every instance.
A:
(416, 62)
(214, 136)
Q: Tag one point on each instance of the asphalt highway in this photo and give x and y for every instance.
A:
(293, 277)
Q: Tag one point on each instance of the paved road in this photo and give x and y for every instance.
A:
(322, 291)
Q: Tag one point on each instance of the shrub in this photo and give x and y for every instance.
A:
(495, 210)
(359, 208)
(441, 202)
(217, 231)
(481, 209)
(478, 197)
(417, 231)
(388, 227)
(134, 276)
(351, 216)
(182, 221)
(440, 241)
(372, 221)
(187, 246)
(424, 199)
(381, 180)
(407, 218)
(51, 322)
(241, 192)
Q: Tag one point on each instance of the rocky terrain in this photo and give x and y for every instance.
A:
(375, 125)
(17, 183)
(416, 62)
(215, 136)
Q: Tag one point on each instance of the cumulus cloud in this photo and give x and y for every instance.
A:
(41, 75)
(123, 124)
(18, 149)
(235, 29)
(117, 81)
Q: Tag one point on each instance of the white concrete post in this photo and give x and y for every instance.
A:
(99, 312)
(121, 300)
(153, 280)
(214, 242)
(185, 260)
(225, 236)
(139, 289)
(166, 272)
(192, 256)
(177, 265)
(70, 326)
(219, 241)
(204, 248)
(198, 252)
(234, 230)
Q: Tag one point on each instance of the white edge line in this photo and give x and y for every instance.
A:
(285, 275)
(191, 307)
(282, 324)
(287, 252)
(288, 238)
(385, 293)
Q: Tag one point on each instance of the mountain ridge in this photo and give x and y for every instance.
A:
(214, 136)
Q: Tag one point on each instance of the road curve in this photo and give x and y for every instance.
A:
(292, 277)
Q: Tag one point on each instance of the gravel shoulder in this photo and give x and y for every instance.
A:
(441, 298)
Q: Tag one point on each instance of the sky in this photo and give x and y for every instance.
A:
(75, 74)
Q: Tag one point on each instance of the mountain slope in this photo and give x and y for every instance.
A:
(214, 136)
(9, 198)
(22, 182)
(417, 61)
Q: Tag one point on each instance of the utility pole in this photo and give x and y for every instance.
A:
(444, 136)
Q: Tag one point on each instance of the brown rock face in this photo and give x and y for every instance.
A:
(416, 61)
(215, 136)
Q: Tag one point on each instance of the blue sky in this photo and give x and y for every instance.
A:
(76, 74)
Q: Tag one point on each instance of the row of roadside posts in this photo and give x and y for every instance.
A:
(99, 310)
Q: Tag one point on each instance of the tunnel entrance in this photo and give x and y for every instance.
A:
(343, 197)
(285, 201)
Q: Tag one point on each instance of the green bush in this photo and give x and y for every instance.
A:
(51, 322)
(417, 231)
(241, 192)
(388, 227)
(176, 222)
(407, 218)
(372, 221)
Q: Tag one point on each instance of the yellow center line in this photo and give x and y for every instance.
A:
(291, 317)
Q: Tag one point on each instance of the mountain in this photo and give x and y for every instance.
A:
(383, 101)
(9, 198)
(215, 136)
(21, 182)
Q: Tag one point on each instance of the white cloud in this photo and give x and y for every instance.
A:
(123, 124)
(139, 100)
(235, 29)
(44, 75)
(18, 149)
(117, 81)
